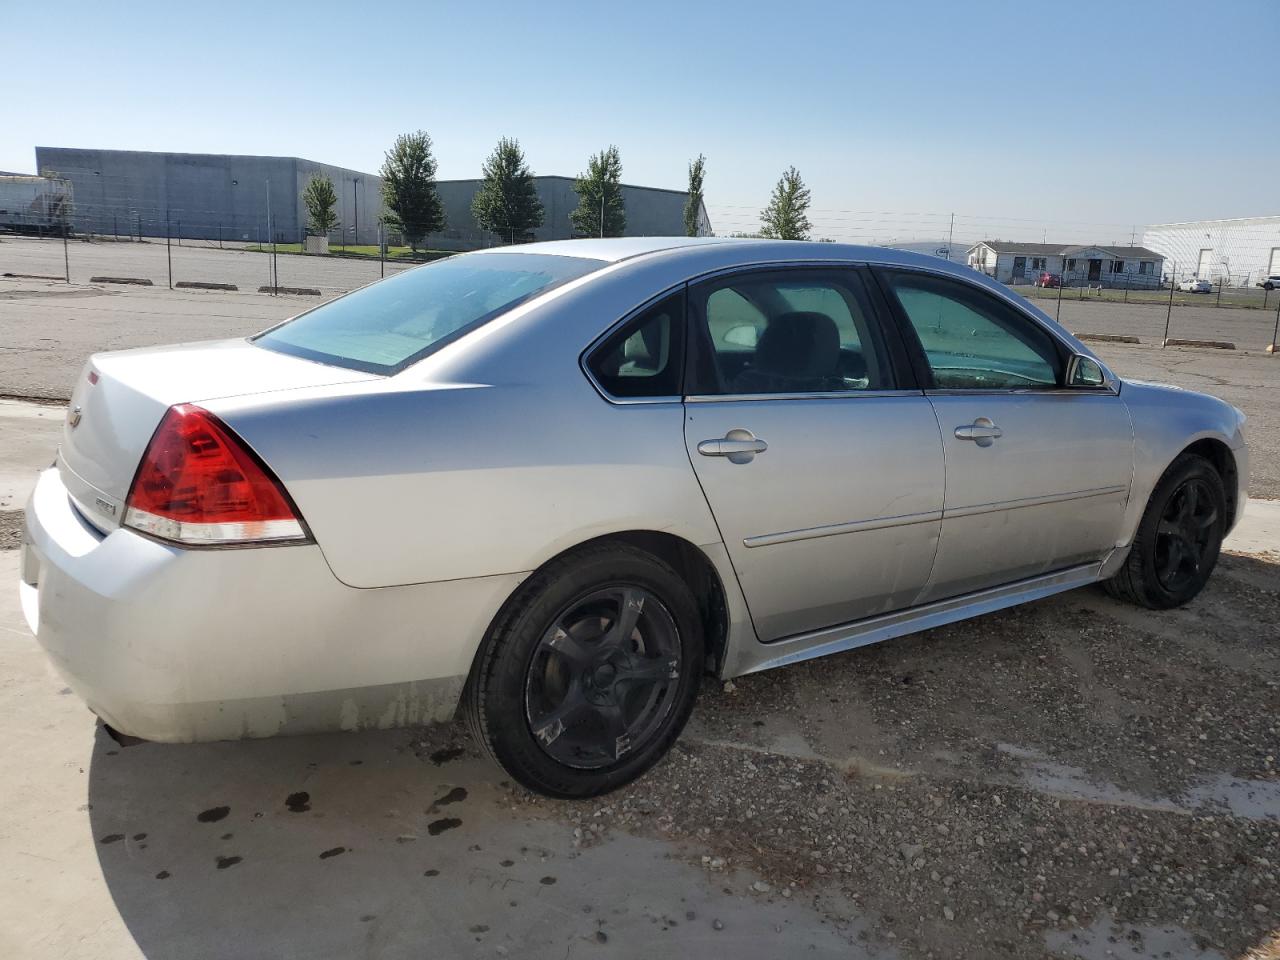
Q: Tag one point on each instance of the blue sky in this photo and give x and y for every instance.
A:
(1080, 119)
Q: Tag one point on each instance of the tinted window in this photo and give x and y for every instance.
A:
(971, 340)
(384, 327)
(802, 331)
(645, 357)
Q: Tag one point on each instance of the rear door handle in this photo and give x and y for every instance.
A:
(982, 432)
(740, 446)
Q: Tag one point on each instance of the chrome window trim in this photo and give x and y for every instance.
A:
(825, 395)
(1023, 391)
(1111, 387)
(1054, 330)
(617, 325)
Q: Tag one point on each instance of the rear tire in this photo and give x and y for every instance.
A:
(590, 674)
(1177, 544)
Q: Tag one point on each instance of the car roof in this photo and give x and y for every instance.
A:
(616, 249)
(611, 249)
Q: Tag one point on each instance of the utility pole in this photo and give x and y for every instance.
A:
(1275, 334)
(168, 247)
(1173, 285)
(270, 233)
(66, 256)
(951, 233)
(355, 197)
(603, 187)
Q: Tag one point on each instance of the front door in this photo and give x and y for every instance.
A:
(1095, 269)
(1037, 474)
(1019, 268)
(823, 467)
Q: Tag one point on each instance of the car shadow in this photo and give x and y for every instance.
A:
(392, 844)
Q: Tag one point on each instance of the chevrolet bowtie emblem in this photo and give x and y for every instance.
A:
(74, 419)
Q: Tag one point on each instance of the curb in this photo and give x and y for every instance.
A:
(204, 285)
(1212, 344)
(295, 291)
(137, 281)
(1108, 337)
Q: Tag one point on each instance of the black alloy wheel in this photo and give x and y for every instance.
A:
(603, 677)
(589, 673)
(1178, 538)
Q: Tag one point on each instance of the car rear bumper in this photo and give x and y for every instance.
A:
(184, 645)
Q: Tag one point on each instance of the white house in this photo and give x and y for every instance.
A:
(1014, 262)
(1236, 252)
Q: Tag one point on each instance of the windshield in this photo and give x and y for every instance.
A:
(386, 326)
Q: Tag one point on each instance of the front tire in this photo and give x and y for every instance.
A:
(590, 674)
(1177, 544)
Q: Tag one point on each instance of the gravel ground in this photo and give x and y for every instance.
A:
(979, 788)
(10, 529)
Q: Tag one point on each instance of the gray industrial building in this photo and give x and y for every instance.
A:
(219, 196)
(205, 196)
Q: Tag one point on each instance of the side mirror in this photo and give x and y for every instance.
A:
(1085, 373)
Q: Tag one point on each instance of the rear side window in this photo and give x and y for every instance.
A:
(971, 340)
(386, 326)
(786, 332)
(645, 358)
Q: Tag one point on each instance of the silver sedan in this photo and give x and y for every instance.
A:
(552, 486)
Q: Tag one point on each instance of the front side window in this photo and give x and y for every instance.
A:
(785, 332)
(386, 326)
(1146, 267)
(973, 341)
(645, 358)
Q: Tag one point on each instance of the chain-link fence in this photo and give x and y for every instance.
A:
(48, 232)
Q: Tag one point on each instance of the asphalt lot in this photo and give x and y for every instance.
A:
(47, 330)
(1073, 778)
(191, 262)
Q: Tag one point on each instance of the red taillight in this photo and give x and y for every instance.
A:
(199, 483)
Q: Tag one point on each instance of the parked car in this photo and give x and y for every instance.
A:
(1195, 285)
(1047, 279)
(554, 485)
(1270, 283)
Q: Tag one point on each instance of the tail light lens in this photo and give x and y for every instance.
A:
(199, 484)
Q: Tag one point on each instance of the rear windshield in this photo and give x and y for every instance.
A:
(384, 327)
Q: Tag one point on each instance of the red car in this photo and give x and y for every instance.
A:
(1048, 279)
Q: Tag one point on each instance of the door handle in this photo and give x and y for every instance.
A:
(740, 446)
(982, 432)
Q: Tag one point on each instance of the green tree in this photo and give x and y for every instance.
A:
(785, 218)
(507, 203)
(320, 198)
(693, 204)
(600, 186)
(409, 188)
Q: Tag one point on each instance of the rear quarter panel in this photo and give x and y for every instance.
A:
(489, 457)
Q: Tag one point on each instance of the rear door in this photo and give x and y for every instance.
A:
(1037, 475)
(820, 458)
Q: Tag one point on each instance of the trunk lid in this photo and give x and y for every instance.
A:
(121, 397)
